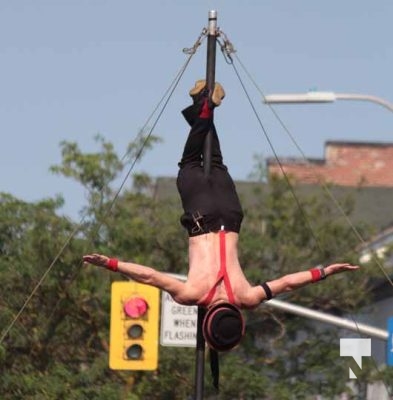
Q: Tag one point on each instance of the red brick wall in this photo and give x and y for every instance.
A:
(345, 164)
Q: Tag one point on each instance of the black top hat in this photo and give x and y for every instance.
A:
(223, 326)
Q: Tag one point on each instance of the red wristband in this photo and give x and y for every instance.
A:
(315, 274)
(112, 264)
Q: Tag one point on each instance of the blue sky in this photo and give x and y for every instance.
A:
(72, 69)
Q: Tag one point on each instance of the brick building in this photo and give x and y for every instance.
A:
(345, 164)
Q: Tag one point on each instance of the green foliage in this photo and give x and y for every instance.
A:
(95, 170)
(58, 346)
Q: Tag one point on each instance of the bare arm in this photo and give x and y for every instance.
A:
(141, 274)
(294, 281)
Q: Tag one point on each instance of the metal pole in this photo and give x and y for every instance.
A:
(320, 316)
(323, 97)
(200, 357)
(210, 81)
(365, 97)
(207, 155)
(329, 319)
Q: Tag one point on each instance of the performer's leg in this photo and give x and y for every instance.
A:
(199, 193)
(193, 148)
(200, 118)
(217, 160)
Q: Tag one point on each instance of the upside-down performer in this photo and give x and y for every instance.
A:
(212, 217)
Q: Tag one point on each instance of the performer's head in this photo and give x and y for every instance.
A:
(223, 326)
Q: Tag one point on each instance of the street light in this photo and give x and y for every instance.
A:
(323, 97)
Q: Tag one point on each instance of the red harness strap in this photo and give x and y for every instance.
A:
(222, 274)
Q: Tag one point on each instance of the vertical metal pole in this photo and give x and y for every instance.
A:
(210, 81)
(200, 357)
(207, 155)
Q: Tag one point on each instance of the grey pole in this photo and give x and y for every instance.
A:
(329, 319)
(207, 155)
(200, 357)
(210, 81)
(323, 97)
(319, 316)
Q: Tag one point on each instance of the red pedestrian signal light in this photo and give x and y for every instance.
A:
(134, 326)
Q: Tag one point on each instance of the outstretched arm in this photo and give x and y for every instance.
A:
(138, 273)
(297, 280)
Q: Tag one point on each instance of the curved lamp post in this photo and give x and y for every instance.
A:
(323, 97)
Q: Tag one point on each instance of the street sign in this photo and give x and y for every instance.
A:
(178, 323)
(389, 349)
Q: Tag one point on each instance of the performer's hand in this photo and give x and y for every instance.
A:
(337, 268)
(96, 259)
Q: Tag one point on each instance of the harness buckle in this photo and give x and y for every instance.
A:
(197, 217)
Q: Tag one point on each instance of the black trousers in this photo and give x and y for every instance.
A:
(209, 203)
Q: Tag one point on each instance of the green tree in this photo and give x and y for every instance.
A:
(58, 346)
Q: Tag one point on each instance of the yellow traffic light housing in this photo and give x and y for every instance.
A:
(134, 326)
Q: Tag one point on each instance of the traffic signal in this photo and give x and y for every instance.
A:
(134, 326)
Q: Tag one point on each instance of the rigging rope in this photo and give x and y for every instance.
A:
(33, 292)
(167, 95)
(227, 49)
(306, 219)
(317, 178)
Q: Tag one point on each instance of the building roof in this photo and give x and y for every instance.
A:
(373, 205)
(357, 144)
(295, 161)
(346, 164)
